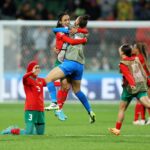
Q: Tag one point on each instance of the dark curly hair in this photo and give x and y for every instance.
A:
(127, 50)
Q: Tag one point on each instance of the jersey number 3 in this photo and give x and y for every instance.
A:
(30, 117)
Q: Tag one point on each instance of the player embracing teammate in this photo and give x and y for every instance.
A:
(72, 66)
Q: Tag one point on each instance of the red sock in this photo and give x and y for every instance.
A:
(118, 125)
(142, 112)
(61, 97)
(65, 94)
(15, 131)
(137, 111)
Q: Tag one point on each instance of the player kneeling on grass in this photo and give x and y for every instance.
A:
(134, 84)
(34, 103)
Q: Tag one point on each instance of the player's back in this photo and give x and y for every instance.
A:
(76, 52)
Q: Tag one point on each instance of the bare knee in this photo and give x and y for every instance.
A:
(65, 85)
(145, 101)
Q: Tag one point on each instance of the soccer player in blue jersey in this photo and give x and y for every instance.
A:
(62, 32)
(73, 65)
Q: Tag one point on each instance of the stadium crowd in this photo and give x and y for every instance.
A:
(97, 9)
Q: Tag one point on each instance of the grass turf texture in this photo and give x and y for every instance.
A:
(76, 133)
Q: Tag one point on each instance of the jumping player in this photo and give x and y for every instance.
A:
(73, 65)
(62, 41)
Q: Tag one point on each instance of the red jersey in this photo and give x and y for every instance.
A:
(127, 76)
(33, 87)
(143, 62)
(62, 38)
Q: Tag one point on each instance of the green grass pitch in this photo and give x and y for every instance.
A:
(76, 133)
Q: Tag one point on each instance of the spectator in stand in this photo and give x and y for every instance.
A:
(142, 10)
(50, 16)
(8, 8)
(79, 8)
(40, 38)
(107, 8)
(24, 11)
(93, 8)
(124, 10)
(42, 13)
(105, 64)
(95, 64)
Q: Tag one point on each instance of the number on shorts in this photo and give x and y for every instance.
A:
(30, 117)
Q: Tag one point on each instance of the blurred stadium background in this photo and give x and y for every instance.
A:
(26, 34)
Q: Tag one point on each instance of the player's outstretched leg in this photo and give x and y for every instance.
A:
(86, 105)
(52, 91)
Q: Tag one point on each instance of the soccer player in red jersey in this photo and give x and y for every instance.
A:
(134, 84)
(140, 51)
(62, 40)
(34, 103)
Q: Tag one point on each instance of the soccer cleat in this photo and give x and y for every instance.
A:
(64, 114)
(52, 106)
(114, 131)
(92, 117)
(139, 122)
(142, 122)
(148, 122)
(60, 114)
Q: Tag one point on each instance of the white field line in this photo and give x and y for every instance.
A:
(72, 102)
(103, 135)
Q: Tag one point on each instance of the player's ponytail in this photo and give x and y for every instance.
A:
(142, 48)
